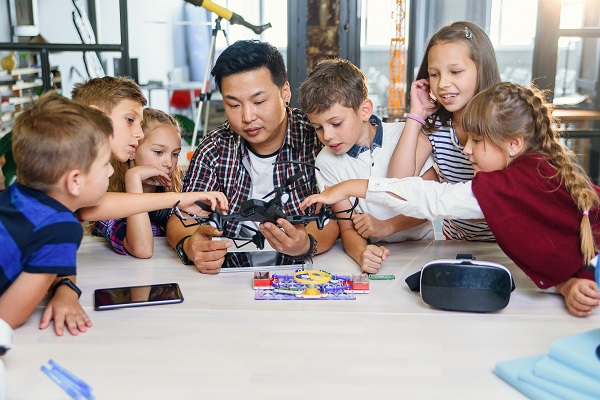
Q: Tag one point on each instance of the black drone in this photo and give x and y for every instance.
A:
(261, 210)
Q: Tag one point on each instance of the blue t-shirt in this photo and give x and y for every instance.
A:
(38, 234)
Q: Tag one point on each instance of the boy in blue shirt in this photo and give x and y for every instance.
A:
(62, 152)
(357, 145)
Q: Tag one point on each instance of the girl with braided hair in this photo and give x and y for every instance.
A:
(538, 202)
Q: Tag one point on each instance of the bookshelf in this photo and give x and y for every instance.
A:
(19, 88)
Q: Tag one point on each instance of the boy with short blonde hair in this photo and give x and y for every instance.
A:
(357, 145)
(123, 101)
(62, 153)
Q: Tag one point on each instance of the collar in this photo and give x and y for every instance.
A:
(356, 150)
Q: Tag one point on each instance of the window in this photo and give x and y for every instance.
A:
(378, 27)
(257, 12)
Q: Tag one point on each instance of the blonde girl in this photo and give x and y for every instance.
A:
(153, 168)
(459, 62)
(538, 202)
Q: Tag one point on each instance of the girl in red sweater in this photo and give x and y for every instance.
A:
(538, 202)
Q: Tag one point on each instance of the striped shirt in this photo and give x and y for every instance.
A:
(454, 166)
(115, 230)
(221, 163)
(39, 235)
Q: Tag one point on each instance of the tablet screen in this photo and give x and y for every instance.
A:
(258, 261)
(136, 296)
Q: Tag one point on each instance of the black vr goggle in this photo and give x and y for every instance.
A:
(463, 284)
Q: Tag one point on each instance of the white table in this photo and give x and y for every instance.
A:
(220, 343)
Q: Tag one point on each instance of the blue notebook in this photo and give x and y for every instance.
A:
(555, 388)
(509, 371)
(578, 352)
(551, 370)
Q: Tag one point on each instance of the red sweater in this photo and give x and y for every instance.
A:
(534, 219)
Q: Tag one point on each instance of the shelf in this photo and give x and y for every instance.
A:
(22, 100)
(25, 71)
(26, 85)
(18, 88)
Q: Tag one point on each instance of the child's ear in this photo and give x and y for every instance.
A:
(74, 182)
(366, 109)
(517, 144)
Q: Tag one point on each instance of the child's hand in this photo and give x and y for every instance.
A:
(64, 308)
(147, 174)
(372, 258)
(581, 296)
(368, 226)
(337, 193)
(421, 104)
(216, 200)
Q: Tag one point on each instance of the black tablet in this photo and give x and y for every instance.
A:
(265, 260)
(137, 296)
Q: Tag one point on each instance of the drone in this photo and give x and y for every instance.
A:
(263, 210)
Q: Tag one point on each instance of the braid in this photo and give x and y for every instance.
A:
(568, 170)
(523, 112)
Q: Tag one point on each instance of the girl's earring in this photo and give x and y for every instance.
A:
(287, 103)
(511, 153)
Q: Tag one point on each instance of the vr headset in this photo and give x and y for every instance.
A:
(463, 284)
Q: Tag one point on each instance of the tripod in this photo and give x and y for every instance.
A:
(206, 90)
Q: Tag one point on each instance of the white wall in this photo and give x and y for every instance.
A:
(158, 47)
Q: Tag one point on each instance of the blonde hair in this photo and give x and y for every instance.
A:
(107, 92)
(481, 52)
(54, 136)
(152, 119)
(516, 110)
(333, 81)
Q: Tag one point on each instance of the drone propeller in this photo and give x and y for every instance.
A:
(324, 216)
(284, 194)
(258, 239)
(284, 191)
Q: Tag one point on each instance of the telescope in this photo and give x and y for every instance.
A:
(230, 16)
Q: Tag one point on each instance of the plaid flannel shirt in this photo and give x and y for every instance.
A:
(221, 163)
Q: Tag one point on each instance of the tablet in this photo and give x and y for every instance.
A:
(265, 260)
(136, 296)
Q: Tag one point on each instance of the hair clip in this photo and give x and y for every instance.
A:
(468, 33)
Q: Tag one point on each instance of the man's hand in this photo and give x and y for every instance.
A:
(64, 309)
(373, 257)
(207, 254)
(368, 226)
(286, 238)
(581, 296)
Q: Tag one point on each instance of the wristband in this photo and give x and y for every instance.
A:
(312, 249)
(181, 252)
(415, 118)
(69, 283)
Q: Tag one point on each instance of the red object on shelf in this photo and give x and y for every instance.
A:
(182, 98)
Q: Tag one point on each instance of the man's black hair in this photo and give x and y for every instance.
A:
(250, 55)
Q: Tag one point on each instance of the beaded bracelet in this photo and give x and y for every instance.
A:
(414, 117)
(312, 249)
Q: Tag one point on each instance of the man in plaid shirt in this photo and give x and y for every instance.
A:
(237, 158)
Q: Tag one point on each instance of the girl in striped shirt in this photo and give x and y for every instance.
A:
(458, 63)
